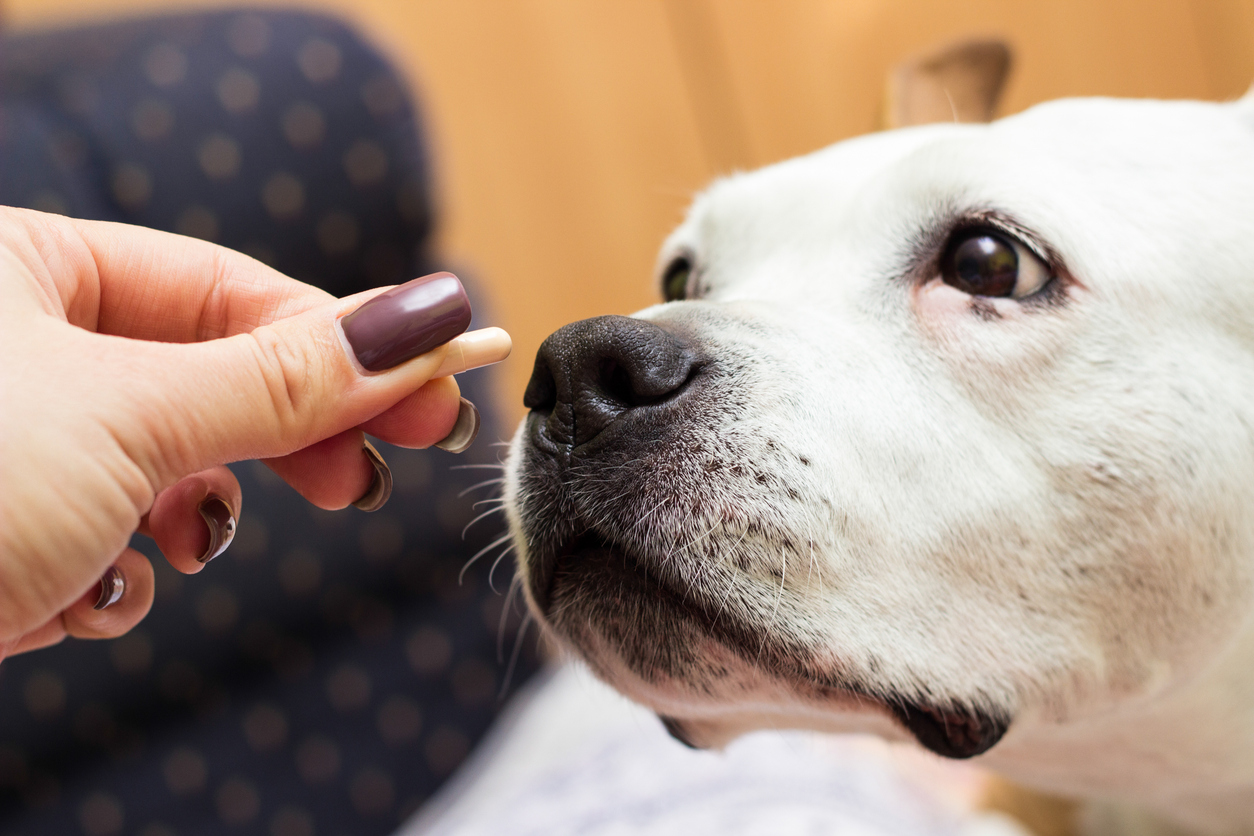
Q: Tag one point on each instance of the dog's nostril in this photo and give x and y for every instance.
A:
(593, 371)
(617, 385)
(541, 394)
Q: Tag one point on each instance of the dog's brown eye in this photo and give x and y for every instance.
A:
(984, 263)
(675, 279)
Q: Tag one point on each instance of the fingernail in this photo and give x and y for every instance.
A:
(406, 321)
(464, 431)
(221, 521)
(112, 587)
(380, 490)
(474, 349)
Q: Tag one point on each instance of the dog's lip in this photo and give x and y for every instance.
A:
(952, 732)
(545, 562)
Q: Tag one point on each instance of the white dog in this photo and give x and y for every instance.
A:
(943, 433)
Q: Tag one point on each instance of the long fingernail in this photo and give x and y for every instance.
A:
(221, 521)
(406, 321)
(464, 431)
(112, 587)
(474, 349)
(380, 490)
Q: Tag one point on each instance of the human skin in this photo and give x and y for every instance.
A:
(134, 365)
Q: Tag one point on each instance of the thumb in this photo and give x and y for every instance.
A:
(291, 383)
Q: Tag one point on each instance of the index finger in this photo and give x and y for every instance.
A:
(141, 283)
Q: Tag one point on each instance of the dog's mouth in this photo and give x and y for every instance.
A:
(546, 571)
(951, 733)
(596, 593)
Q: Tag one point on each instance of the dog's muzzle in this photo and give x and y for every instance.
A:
(613, 404)
(600, 387)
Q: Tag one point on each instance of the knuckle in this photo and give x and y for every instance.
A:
(26, 599)
(105, 624)
(284, 368)
(215, 308)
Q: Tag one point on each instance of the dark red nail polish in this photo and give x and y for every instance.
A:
(407, 320)
(464, 431)
(380, 490)
(218, 515)
(112, 588)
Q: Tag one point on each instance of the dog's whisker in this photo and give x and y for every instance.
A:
(527, 621)
(461, 576)
(731, 583)
(641, 520)
(479, 485)
(810, 565)
(487, 513)
(514, 586)
(499, 466)
(783, 573)
(499, 500)
(509, 548)
(712, 568)
(818, 567)
(697, 568)
(727, 552)
(703, 536)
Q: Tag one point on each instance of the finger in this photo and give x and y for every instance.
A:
(346, 470)
(48, 634)
(136, 282)
(421, 419)
(332, 474)
(115, 604)
(194, 520)
(283, 386)
(111, 607)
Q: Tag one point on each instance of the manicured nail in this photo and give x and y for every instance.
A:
(112, 587)
(221, 521)
(464, 431)
(380, 490)
(474, 349)
(406, 321)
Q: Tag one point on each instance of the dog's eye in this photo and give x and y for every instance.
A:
(987, 263)
(675, 279)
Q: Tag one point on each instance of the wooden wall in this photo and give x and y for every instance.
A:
(570, 134)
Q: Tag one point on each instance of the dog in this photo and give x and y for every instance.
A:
(944, 434)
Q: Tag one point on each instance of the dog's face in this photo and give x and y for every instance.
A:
(948, 431)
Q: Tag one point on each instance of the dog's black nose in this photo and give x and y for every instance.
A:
(591, 372)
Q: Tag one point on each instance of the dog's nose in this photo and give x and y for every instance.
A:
(590, 373)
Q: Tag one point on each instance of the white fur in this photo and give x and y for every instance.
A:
(1051, 511)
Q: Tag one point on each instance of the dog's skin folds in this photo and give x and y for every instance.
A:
(829, 489)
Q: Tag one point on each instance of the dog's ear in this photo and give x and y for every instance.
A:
(959, 82)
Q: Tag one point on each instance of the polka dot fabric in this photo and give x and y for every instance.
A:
(280, 135)
(326, 674)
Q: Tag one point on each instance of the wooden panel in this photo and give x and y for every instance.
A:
(1226, 35)
(807, 74)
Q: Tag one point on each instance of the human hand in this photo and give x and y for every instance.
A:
(136, 363)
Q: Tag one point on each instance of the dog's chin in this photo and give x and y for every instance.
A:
(677, 647)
